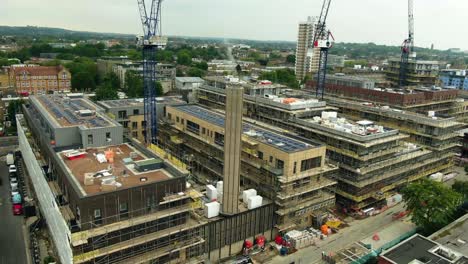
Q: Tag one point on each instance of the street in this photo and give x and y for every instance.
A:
(357, 230)
(12, 245)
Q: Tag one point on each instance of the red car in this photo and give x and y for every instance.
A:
(17, 209)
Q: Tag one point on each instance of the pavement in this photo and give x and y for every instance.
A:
(12, 241)
(357, 231)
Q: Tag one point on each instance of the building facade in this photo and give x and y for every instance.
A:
(165, 73)
(419, 73)
(457, 79)
(304, 49)
(40, 79)
(288, 171)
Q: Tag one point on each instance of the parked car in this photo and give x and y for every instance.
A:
(12, 169)
(16, 197)
(17, 209)
(10, 159)
(13, 184)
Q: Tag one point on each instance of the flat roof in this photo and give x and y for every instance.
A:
(138, 102)
(278, 141)
(122, 103)
(423, 250)
(454, 235)
(415, 248)
(190, 79)
(69, 112)
(122, 169)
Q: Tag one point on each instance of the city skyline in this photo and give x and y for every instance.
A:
(258, 20)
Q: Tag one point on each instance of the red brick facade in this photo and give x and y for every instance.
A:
(40, 79)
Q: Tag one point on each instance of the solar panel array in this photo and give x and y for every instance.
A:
(68, 110)
(278, 141)
(122, 103)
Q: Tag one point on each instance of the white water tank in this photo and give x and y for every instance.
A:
(211, 209)
(254, 202)
(248, 193)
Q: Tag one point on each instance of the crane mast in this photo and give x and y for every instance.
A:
(151, 41)
(407, 48)
(322, 41)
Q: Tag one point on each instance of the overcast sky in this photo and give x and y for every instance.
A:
(442, 22)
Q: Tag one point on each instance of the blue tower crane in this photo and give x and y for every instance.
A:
(151, 41)
(324, 43)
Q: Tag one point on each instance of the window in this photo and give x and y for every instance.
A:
(136, 112)
(279, 164)
(203, 131)
(177, 119)
(108, 137)
(125, 124)
(122, 114)
(183, 121)
(123, 209)
(169, 116)
(193, 127)
(135, 134)
(294, 168)
(90, 140)
(311, 163)
(271, 159)
(134, 125)
(260, 155)
(97, 216)
(219, 139)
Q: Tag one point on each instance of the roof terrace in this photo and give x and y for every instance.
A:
(98, 170)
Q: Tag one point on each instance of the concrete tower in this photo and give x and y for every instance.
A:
(305, 62)
(232, 149)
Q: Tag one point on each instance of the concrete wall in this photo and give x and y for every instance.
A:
(99, 136)
(57, 226)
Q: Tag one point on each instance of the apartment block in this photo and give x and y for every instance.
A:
(40, 79)
(165, 73)
(457, 79)
(129, 113)
(292, 173)
(419, 72)
(436, 101)
(375, 160)
(112, 202)
(304, 50)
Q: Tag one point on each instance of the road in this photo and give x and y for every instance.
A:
(358, 230)
(12, 245)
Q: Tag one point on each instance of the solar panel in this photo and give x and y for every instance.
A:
(278, 141)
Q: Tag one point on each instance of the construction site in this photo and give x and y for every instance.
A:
(161, 180)
(375, 159)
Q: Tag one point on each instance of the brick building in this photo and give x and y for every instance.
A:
(40, 79)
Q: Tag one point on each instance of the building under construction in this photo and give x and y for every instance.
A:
(419, 72)
(105, 201)
(286, 170)
(437, 101)
(374, 161)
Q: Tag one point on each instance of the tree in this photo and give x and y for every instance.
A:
(159, 89)
(432, 205)
(196, 72)
(184, 57)
(291, 59)
(14, 108)
(83, 81)
(239, 69)
(133, 84)
(461, 187)
(282, 76)
(112, 79)
(202, 65)
(106, 92)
